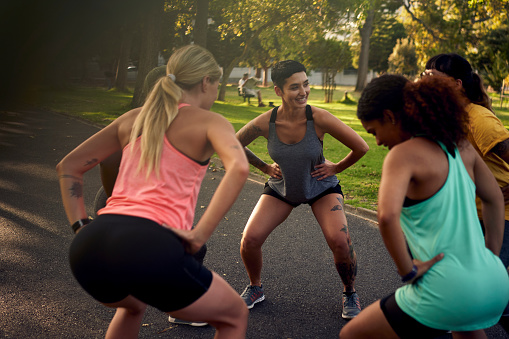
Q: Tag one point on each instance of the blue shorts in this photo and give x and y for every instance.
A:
(333, 190)
(116, 256)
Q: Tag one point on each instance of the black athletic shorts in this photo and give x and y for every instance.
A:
(269, 191)
(116, 256)
(404, 325)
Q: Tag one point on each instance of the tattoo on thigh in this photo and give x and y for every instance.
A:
(338, 207)
(344, 229)
(76, 190)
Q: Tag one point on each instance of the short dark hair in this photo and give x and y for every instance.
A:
(285, 69)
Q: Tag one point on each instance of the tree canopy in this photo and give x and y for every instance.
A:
(51, 42)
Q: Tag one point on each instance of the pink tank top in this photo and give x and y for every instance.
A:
(169, 199)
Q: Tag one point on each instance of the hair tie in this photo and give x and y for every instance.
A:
(172, 77)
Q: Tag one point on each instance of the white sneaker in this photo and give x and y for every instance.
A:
(185, 322)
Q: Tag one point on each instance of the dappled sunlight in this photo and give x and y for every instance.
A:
(23, 214)
(30, 169)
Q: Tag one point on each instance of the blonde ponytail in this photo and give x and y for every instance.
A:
(186, 68)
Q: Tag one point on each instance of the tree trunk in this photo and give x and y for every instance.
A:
(265, 81)
(201, 23)
(123, 60)
(149, 49)
(365, 31)
(226, 75)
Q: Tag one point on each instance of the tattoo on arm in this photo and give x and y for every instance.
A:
(254, 160)
(76, 190)
(249, 133)
(502, 149)
(91, 162)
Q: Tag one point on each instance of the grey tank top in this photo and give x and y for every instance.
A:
(297, 161)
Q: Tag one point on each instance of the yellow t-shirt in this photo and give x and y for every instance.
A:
(485, 132)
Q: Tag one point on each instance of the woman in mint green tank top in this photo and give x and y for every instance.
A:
(454, 280)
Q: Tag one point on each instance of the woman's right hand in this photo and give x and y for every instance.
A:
(424, 266)
(274, 171)
(192, 243)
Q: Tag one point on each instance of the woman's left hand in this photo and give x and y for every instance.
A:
(327, 169)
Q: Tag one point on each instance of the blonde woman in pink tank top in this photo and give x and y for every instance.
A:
(167, 141)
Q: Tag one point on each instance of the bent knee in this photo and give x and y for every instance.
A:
(250, 242)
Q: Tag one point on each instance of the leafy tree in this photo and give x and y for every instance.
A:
(386, 33)
(403, 59)
(367, 14)
(257, 19)
(496, 71)
(329, 56)
(451, 25)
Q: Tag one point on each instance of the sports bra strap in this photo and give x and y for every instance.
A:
(309, 114)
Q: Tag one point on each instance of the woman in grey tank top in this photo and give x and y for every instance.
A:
(300, 174)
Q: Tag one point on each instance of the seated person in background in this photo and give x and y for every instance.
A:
(248, 85)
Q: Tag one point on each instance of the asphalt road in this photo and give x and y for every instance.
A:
(40, 299)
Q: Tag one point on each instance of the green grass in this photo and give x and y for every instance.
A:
(359, 182)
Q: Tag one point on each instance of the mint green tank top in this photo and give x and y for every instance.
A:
(469, 288)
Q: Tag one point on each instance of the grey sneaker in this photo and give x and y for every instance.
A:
(252, 295)
(185, 322)
(351, 306)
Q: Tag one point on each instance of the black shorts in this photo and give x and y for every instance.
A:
(116, 256)
(404, 325)
(333, 190)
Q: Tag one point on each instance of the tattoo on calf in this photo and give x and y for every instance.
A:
(67, 176)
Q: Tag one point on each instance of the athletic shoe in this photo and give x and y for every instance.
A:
(351, 305)
(252, 295)
(185, 322)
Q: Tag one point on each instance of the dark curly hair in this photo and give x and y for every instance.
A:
(432, 107)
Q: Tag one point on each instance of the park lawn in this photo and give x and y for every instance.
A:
(359, 182)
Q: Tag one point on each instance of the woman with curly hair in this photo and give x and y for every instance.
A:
(427, 200)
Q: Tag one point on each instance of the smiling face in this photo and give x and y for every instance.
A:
(295, 91)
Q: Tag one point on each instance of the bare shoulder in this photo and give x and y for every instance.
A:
(260, 123)
(322, 117)
(128, 116)
(468, 153)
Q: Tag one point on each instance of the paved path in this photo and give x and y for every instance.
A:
(40, 299)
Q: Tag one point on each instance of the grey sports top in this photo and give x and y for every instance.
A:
(297, 161)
